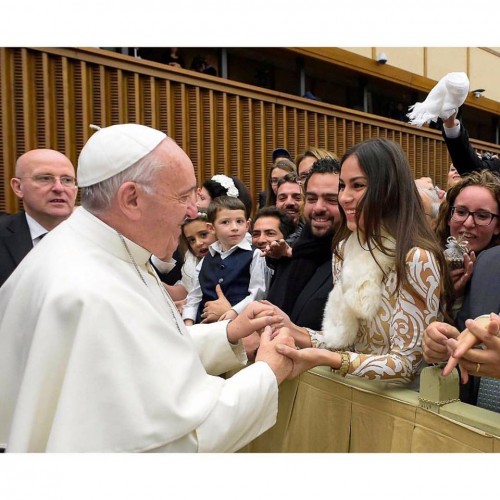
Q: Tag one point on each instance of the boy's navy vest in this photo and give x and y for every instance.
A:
(232, 274)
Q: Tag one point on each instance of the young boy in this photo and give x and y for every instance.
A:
(232, 263)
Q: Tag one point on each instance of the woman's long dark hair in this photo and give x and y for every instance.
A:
(392, 205)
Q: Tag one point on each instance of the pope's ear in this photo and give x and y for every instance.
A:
(127, 199)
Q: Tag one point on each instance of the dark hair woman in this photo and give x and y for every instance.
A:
(389, 273)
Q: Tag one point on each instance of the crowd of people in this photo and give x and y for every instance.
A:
(117, 329)
(172, 56)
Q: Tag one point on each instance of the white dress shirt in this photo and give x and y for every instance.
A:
(452, 132)
(37, 231)
(256, 288)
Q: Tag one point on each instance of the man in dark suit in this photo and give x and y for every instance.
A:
(302, 282)
(463, 156)
(45, 182)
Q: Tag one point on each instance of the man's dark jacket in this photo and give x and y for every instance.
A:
(304, 304)
(463, 156)
(15, 243)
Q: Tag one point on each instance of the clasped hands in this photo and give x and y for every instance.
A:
(443, 342)
(285, 338)
(257, 326)
(269, 335)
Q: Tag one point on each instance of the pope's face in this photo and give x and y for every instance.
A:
(173, 199)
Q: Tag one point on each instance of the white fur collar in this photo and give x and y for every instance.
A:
(357, 293)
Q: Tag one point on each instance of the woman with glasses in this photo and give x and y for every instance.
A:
(470, 212)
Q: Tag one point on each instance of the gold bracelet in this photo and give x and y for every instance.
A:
(345, 362)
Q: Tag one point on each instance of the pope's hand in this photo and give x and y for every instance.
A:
(254, 317)
(279, 364)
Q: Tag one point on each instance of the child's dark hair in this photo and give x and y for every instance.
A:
(221, 203)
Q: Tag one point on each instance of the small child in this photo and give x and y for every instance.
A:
(231, 262)
(197, 235)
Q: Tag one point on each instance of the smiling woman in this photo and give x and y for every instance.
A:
(389, 273)
(471, 213)
(477, 192)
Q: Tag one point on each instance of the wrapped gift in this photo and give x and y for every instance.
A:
(455, 250)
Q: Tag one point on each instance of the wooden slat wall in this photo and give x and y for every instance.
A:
(49, 97)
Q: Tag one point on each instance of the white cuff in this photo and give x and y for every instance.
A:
(452, 132)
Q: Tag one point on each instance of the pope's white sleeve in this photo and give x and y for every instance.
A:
(216, 353)
(247, 407)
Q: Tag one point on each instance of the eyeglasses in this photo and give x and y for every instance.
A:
(50, 180)
(480, 218)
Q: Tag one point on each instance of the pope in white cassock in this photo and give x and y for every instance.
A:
(94, 356)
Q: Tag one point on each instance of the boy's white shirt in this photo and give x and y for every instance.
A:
(256, 288)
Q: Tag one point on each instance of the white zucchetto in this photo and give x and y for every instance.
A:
(113, 149)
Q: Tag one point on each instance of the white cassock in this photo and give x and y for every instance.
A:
(92, 359)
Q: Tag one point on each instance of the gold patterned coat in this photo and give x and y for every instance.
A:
(389, 346)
